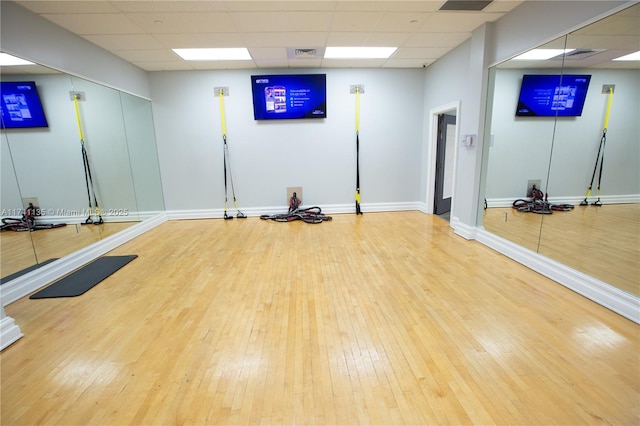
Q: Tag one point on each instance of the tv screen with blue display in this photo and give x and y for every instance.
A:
(277, 97)
(21, 106)
(552, 95)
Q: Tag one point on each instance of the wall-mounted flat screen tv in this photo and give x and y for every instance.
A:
(552, 95)
(277, 97)
(21, 106)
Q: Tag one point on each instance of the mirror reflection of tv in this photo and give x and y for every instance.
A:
(543, 95)
(294, 96)
(21, 105)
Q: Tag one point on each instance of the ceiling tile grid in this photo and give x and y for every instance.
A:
(144, 32)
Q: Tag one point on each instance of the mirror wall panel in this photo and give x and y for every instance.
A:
(119, 139)
(17, 250)
(602, 241)
(143, 155)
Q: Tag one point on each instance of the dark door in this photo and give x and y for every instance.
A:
(444, 163)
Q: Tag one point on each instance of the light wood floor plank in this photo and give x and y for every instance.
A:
(385, 318)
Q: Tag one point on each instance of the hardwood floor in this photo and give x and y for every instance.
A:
(603, 242)
(385, 318)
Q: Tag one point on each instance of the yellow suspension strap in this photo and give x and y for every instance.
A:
(358, 211)
(600, 156)
(87, 171)
(239, 215)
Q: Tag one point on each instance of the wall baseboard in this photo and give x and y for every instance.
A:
(575, 200)
(9, 332)
(600, 292)
(326, 209)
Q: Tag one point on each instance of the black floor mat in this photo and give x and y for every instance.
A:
(85, 278)
(24, 271)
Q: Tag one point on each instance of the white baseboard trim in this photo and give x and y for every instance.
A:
(259, 211)
(465, 231)
(9, 332)
(575, 200)
(600, 292)
(36, 279)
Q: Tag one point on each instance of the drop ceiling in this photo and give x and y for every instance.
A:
(144, 32)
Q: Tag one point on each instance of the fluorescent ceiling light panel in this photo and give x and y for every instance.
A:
(9, 60)
(630, 57)
(359, 52)
(214, 54)
(541, 54)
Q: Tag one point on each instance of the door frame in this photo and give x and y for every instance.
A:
(432, 149)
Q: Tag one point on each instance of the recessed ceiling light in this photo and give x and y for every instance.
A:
(630, 57)
(541, 54)
(359, 52)
(9, 60)
(214, 54)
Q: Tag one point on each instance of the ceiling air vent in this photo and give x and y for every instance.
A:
(578, 54)
(465, 5)
(305, 52)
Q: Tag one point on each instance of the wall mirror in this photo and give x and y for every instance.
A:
(565, 153)
(45, 166)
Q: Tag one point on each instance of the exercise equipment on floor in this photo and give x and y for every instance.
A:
(358, 210)
(539, 204)
(226, 167)
(599, 156)
(93, 203)
(27, 222)
(308, 215)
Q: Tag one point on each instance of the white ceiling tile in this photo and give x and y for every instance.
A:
(195, 40)
(355, 21)
(95, 23)
(414, 5)
(44, 7)
(348, 39)
(281, 21)
(402, 21)
(305, 39)
(136, 6)
(181, 23)
(268, 53)
(264, 39)
(388, 39)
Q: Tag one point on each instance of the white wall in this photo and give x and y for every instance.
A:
(268, 157)
(522, 145)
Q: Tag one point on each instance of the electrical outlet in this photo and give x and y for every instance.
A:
(32, 200)
(531, 184)
(298, 192)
